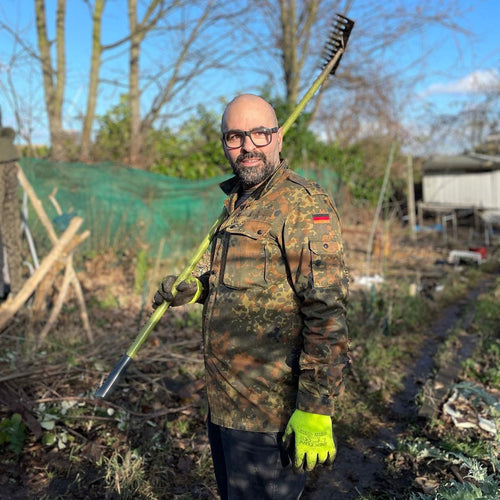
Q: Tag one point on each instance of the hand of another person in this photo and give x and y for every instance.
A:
(186, 292)
(309, 440)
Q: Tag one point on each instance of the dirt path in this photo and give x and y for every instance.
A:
(360, 468)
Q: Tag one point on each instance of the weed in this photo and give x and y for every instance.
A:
(446, 351)
(191, 318)
(13, 433)
(354, 417)
(477, 482)
(485, 366)
(180, 427)
(110, 301)
(465, 446)
(419, 449)
(409, 314)
(380, 356)
(125, 474)
(141, 272)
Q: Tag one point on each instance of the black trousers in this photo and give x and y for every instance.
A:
(250, 465)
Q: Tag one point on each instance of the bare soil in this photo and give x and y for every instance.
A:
(361, 466)
(159, 409)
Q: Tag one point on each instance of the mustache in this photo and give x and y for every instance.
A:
(253, 154)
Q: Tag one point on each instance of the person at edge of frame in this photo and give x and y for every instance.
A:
(275, 337)
(11, 279)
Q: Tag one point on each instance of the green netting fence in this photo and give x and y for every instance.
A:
(129, 208)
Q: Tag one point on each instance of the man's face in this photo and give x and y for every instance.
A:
(252, 164)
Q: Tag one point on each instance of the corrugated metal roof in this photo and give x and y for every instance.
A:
(461, 163)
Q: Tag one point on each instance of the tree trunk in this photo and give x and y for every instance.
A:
(289, 41)
(95, 65)
(134, 93)
(54, 79)
(293, 42)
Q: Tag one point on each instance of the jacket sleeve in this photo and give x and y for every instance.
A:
(314, 254)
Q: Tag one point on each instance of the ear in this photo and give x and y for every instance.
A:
(224, 149)
(280, 138)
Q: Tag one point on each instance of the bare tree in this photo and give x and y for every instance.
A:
(366, 92)
(296, 34)
(192, 34)
(298, 30)
(183, 28)
(282, 40)
(372, 93)
(54, 77)
(466, 130)
(138, 31)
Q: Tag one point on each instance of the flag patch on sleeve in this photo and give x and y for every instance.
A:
(321, 218)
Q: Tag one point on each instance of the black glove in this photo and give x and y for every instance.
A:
(187, 291)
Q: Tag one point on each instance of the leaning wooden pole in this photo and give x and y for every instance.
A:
(9, 308)
(44, 219)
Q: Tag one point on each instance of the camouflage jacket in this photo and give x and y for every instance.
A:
(274, 329)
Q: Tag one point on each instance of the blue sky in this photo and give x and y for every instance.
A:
(460, 70)
(460, 67)
(456, 69)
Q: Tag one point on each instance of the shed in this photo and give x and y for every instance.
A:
(462, 181)
(468, 183)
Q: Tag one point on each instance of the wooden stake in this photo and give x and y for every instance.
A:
(379, 206)
(59, 302)
(411, 198)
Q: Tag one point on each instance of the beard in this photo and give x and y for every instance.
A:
(250, 177)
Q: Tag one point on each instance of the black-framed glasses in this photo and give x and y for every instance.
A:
(260, 136)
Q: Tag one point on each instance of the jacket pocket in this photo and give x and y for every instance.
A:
(326, 262)
(245, 254)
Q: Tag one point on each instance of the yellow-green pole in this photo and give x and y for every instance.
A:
(126, 359)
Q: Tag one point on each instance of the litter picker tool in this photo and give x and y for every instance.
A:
(334, 49)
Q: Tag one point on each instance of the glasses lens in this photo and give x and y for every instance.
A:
(261, 136)
(234, 138)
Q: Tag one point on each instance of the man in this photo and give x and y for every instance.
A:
(274, 329)
(10, 219)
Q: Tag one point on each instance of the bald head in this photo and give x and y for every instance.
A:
(248, 108)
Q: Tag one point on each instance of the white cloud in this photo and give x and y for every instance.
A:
(476, 82)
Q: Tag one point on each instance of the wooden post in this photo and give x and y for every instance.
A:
(411, 198)
(379, 206)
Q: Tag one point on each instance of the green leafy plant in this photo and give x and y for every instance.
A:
(477, 483)
(13, 433)
(193, 151)
(113, 136)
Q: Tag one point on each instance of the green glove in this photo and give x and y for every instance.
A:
(313, 441)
